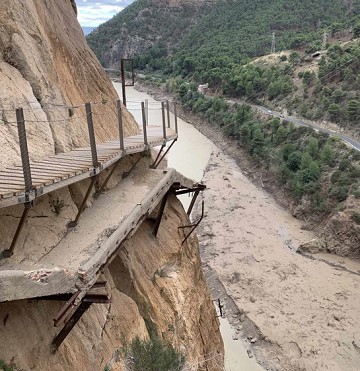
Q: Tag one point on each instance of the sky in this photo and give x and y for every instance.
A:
(91, 13)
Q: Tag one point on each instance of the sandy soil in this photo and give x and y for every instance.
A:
(302, 313)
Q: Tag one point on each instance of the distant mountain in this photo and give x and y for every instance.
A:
(87, 30)
(146, 25)
(193, 32)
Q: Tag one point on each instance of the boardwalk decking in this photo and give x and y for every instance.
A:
(61, 170)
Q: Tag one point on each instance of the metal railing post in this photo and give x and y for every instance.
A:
(24, 152)
(147, 110)
(123, 83)
(168, 113)
(176, 121)
(144, 123)
(120, 123)
(91, 135)
(163, 119)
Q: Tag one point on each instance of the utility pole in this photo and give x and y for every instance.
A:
(273, 43)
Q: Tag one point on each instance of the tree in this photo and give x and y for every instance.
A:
(313, 147)
(335, 112)
(327, 155)
(353, 110)
(294, 161)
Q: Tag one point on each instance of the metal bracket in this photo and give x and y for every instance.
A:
(26, 197)
(39, 192)
(193, 226)
(8, 253)
(156, 163)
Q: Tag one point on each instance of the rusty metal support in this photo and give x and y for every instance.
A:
(81, 309)
(168, 113)
(160, 214)
(96, 299)
(7, 253)
(192, 203)
(82, 206)
(106, 181)
(197, 187)
(120, 124)
(193, 226)
(66, 309)
(144, 123)
(153, 166)
(156, 164)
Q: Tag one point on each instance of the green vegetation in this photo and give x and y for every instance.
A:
(5, 367)
(156, 29)
(153, 354)
(308, 164)
(334, 91)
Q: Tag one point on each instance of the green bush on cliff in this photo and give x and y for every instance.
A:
(5, 367)
(153, 354)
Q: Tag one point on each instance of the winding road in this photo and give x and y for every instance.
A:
(300, 122)
(352, 142)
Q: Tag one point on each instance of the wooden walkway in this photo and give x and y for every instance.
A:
(61, 170)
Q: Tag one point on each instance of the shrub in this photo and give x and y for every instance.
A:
(5, 367)
(154, 354)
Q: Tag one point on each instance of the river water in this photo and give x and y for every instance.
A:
(189, 156)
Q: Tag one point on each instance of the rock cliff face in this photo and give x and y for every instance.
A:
(156, 280)
(45, 65)
(47, 68)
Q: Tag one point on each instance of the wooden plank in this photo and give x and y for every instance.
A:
(51, 165)
(16, 174)
(48, 172)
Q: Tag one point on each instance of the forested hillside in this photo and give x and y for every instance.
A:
(149, 30)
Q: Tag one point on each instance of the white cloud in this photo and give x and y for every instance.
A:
(91, 13)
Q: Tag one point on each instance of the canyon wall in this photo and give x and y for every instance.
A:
(47, 69)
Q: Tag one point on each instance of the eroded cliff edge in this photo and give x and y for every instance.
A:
(157, 280)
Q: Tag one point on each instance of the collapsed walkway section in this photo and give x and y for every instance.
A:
(77, 261)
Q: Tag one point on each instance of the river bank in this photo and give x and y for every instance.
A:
(296, 313)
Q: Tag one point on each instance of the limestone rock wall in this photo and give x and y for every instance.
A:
(157, 280)
(46, 66)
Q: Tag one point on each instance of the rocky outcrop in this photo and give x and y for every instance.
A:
(46, 66)
(157, 281)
